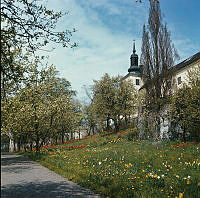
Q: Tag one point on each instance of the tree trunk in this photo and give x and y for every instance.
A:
(126, 121)
(89, 131)
(108, 124)
(42, 143)
(184, 134)
(37, 142)
(62, 136)
(71, 135)
(158, 127)
(14, 146)
(18, 145)
(119, 121)
(31, 146)
(92, 130)
(157, 121)
(116, 126)
(11, 145)
(24, 147)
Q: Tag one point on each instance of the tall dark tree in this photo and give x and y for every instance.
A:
(158, 56)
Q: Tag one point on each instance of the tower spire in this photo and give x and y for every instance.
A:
(134, 50)
(134, 62)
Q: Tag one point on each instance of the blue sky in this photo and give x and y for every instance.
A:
(105, 33)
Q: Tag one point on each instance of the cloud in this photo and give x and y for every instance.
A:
(186, 47)
(105, 4)
(105, 30)
(101, 50)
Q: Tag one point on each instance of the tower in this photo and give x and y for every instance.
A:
(134, 73)
(134, 69)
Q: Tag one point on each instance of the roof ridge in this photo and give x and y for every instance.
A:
(188, 61)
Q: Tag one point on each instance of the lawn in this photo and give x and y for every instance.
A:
(115, 167)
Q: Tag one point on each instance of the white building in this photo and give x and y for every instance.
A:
(179, 77)
(181, 70)
(134, 73)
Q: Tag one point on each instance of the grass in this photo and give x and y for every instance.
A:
(112, 166)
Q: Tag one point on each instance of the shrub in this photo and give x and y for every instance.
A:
(132, 134)
(106, 133)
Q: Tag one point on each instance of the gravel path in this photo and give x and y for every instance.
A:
(23, 178)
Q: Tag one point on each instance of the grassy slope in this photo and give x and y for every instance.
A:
(115, 167)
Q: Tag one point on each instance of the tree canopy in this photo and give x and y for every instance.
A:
(27, 26)
(42, 111)
(113, 99)
(158, 56)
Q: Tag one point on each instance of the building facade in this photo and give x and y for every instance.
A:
(180, 74)
(180, 71)
(179, 78)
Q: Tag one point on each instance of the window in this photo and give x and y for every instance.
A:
(137, 82)
(179, 80)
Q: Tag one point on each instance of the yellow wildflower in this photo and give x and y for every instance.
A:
(128, 165)
(180, 195)
(188, 182)
(155, 176)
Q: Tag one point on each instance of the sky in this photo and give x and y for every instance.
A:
(105, 33)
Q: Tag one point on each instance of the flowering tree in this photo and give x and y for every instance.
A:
(27, 26)
(113, 99)
(41, 111)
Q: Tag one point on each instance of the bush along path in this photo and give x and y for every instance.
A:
(23, 178)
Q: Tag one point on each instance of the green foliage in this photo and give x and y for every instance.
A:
(42, 110)
(26, 26)
(36, 156)
(89, 119)
(132, 134)
(185, 106)
(194, 76)
(106, 133)
(185, 109)
(113, 99)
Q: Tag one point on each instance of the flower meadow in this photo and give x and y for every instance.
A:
(115, 167)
